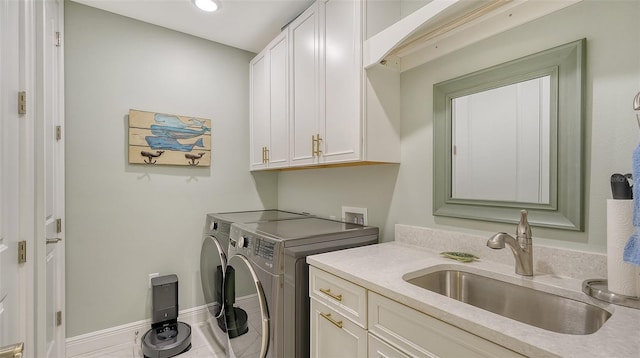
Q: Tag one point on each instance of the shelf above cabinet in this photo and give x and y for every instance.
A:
(443, 26)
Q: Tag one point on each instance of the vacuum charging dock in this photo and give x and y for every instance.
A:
(167, 337)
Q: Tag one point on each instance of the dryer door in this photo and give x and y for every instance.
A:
(247, 314)
(213, 262)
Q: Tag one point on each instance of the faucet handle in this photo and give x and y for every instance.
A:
(524, 230)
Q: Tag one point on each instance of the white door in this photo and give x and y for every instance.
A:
(12, 329)
(52, 162)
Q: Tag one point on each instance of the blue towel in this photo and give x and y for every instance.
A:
(632, 248)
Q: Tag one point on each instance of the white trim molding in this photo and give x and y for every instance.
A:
(126, 333)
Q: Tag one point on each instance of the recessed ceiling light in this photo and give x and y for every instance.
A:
(206, 5)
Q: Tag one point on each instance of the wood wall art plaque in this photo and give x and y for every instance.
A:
(167, 139)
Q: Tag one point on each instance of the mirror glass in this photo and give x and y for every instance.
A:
(510, 137)
(500, 143)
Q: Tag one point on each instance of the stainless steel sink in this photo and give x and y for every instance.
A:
(537, 308)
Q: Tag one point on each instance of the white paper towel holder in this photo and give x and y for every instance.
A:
(598, 288)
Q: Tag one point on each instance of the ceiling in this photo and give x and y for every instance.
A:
(244, 24)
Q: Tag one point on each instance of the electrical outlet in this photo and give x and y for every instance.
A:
(354, 215)
(152, 275)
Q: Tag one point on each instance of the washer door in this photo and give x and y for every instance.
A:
(246, 313)
(213, 262)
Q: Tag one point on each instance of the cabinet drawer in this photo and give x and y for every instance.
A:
(335, 336)
(349, 299)
(421, 335)
(380, 349)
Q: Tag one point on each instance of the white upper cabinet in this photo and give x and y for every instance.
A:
(269, 113)
(305, 88)
(341, 74)
(335, 114)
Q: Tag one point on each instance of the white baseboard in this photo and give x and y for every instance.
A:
(126, 333)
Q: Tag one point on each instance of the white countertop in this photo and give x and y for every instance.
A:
(381, 267)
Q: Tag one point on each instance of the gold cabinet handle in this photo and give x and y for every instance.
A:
(12, 351)
(54, 240)
(327, 316)
(313, 145)
(266, 155)
(331, 294)
(318, 140)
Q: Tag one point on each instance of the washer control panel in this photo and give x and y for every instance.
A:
(259, 249)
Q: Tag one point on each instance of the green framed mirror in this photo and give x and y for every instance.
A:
(510, 137)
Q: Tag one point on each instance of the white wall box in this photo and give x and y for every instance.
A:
(336, 115)
(391, 329)
(269, 113)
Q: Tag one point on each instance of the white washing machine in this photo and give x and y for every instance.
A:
(270, 285)
(213, 262)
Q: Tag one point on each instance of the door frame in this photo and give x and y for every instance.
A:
(40, 42)
(26, 271)
(32, 274)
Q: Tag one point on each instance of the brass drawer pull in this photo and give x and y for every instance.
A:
(330, 294)
(12, 351)
(327, 316)
(315, 145)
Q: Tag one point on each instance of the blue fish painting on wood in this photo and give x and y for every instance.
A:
(158, 138)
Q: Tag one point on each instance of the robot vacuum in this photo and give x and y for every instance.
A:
(167, 337)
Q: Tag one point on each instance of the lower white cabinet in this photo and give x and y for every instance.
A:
(420, 335)
(335, 336)
(388, 329)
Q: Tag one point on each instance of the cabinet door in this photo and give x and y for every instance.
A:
(304, 84)
(259, 110)
(341, 74)
(334, 336)
(278, 147)
(269, 113)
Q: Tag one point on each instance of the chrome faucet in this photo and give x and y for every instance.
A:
(521, 247)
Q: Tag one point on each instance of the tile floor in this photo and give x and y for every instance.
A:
(203, 343)
(202, 346)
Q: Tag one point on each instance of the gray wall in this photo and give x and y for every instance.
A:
(403, 194)
(126, 221)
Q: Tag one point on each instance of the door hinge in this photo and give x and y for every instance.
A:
(59, 318)
(22, 102)
(58, 226)
(22, 252)
(58, 132)
(58, 39)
